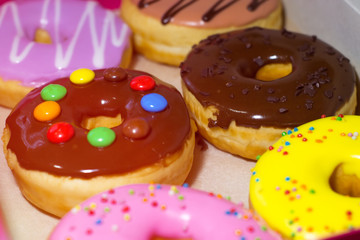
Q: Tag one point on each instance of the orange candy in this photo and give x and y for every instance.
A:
(47, 111)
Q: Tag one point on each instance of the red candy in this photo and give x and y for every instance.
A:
(60, 132)
(142, 83)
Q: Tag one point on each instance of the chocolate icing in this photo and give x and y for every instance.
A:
(352, 235)
(220, 71)
(180, 5)
(169, 129)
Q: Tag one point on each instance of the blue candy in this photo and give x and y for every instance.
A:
(153, 102)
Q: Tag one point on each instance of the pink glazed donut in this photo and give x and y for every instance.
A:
(42, 40)
(142, 212)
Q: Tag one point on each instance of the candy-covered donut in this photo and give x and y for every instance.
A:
(306, 186)
(96, 130)
(241, 108)
(145, 211)
(165, 30)
(47, 39)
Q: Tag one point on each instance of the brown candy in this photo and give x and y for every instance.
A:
(136, 128)
(115, 74)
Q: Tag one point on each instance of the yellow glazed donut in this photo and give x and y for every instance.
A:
(296, 184)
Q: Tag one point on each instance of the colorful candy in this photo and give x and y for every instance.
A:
(82, 76)
(60, 132)
(47, 111)
(153, 102)
(115, 74)
(53, 92)
(136, 128)
(142, 83)
(101, 137)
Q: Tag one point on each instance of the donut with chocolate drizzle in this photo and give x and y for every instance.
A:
(165, 30)
(221, 71)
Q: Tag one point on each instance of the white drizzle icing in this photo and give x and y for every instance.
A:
(22, 47)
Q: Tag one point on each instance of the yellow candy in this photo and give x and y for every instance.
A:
(82, 76)
(47, 111)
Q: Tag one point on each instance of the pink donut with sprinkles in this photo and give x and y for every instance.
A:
(43, 40)
(143, 211)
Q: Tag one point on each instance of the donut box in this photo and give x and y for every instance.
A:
(213, 170)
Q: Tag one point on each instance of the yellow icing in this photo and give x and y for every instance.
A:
(290, 186)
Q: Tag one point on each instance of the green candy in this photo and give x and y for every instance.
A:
(101, 137)
(53, 92)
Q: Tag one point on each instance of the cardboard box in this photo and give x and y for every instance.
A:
(335, 22)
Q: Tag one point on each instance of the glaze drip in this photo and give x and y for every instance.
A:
(209, 12)
(169, 14)
(255, 4)
(216, 9)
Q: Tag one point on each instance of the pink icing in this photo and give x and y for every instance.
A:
(84, 35)
(141, 211)
(235, 15)
(110, 4)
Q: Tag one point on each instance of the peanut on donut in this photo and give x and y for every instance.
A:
(78, 136)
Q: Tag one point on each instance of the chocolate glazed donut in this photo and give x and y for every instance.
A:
(96, 130)
(220, 71)
(105, 96)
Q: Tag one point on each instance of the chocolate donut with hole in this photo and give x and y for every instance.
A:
(246, 87)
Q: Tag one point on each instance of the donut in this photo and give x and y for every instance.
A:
(95, 130)
(45, 40)
(246, 87)
(144, 211)
(306, 185)
(3, 227)
(165, 30)
(354, 234)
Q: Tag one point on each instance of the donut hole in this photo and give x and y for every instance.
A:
(345, 184)
(42, 36)
(101, 121)
(273, 71)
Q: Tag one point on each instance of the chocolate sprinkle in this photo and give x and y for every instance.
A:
(283, 110)
(245, 91)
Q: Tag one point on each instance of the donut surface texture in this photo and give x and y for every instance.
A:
(243, 115)
(144, 211)
(165, 30)
(291, 185)
(83, 155)
(43, 40)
